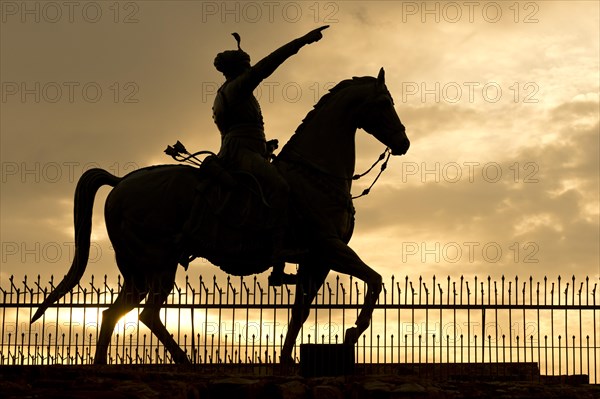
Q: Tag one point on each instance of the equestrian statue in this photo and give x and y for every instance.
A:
(244, 209)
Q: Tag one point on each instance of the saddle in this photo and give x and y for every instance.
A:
(231, 224)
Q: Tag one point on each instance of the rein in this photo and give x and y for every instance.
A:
(383, 167)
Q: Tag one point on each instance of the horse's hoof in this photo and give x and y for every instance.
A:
(287, 360)
(182, 359)
(352, 335)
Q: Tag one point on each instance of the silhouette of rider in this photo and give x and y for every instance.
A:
(238, 117)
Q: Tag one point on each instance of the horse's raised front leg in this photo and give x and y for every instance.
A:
(310, 278)
(342, 259)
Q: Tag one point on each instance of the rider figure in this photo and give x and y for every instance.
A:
(238, 117)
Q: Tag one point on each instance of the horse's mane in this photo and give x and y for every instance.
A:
(332, 92)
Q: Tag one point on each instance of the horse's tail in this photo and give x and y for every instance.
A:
(87, 186)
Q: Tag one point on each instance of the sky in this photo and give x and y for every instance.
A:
(500, 101)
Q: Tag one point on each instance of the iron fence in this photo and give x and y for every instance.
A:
(243, 321)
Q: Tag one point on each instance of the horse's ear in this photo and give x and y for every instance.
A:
(381, 77)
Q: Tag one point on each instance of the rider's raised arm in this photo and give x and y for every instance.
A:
(265, 67)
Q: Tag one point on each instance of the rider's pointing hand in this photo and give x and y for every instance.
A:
(314, 35)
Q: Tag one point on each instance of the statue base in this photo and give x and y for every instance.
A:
(319, 360)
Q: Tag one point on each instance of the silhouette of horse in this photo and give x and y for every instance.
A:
(147, 209)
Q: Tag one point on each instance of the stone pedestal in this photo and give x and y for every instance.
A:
(318, 360)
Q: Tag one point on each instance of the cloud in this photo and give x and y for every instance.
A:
(546, 202)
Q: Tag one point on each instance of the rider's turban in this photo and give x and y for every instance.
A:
(231, 59)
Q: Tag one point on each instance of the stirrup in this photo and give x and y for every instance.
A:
(279, 279)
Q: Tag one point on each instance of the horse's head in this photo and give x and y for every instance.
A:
(377, 116)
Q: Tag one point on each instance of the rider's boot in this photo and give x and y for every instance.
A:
(278, 277)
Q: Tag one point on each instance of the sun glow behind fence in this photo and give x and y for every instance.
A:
(243, 320)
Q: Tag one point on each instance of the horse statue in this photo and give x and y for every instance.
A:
(147, 210)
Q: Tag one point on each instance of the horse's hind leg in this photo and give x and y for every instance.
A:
(129, 297)
(310, 278)
(161, 287)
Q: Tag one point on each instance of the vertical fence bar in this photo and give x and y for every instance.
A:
(524, 324)
(595, 344)
(566, 329)
(399, 328)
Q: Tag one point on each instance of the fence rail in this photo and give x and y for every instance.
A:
(243, 321)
